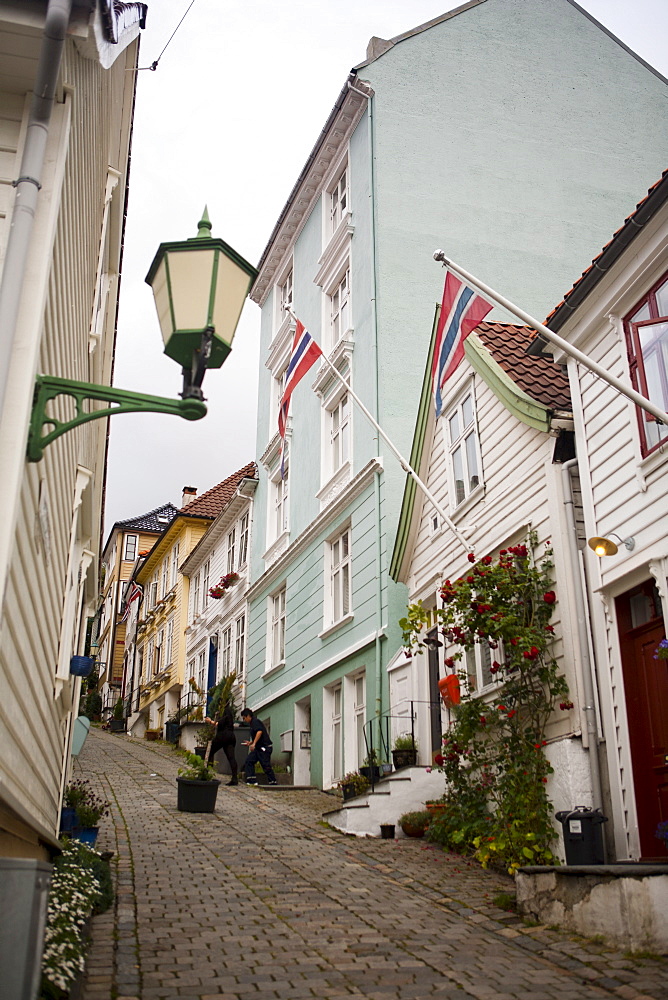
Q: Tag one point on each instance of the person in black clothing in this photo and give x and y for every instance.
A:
(259, 749)
(225, 739)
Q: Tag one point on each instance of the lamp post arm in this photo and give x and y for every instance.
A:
(47, 387)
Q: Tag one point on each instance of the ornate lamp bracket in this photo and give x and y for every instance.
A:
(47, 387)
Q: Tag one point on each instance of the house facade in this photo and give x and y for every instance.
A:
(618, 314)
(216, 629)
(157, 664)
(64, 165)
(351, 255)
(128, 541)
(499, 459)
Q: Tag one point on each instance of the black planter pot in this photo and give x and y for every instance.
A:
(200, 752)
(196, 796)
(404, 758)
(367, 771)
(349, 792)
(387, 831)
(117, 725)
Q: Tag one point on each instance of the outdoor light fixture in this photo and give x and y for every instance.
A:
(199, 286)
(606, 547)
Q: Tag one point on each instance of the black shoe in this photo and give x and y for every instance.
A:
(233, 782)
(272, 782)
(251, 781)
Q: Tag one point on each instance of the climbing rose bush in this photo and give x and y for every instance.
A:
(493, 751)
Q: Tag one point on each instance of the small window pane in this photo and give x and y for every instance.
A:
(454, 428)
(662, 300)
(460, 492)
(643, 313)
(467, 411)
(472, 462)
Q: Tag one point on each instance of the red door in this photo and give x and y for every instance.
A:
(641, 628)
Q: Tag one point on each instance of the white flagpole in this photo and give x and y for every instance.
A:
(558, 341)
(402, 461)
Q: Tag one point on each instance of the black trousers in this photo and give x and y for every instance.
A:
(228, 747)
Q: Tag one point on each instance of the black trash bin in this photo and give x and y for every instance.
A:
(583, 835)
(172, 730)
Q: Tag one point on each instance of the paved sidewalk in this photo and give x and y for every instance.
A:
(262, 901)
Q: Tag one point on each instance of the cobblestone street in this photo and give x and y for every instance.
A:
(261, 900)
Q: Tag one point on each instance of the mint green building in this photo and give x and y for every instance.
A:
(513, 135)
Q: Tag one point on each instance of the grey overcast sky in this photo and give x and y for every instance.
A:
(228, 120)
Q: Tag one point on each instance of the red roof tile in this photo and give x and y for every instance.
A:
(539, 377)
(214, 500)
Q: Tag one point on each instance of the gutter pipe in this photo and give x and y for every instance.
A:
(579, 596)
(29, 182)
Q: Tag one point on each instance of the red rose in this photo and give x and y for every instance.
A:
(511, 713)
(549, 597)
(438, 759)
(471, 557)
(449, 661)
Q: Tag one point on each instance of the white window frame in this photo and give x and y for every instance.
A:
(339, 308)
(459, 445)
(240, 645)
(196, 594)
(279, 506)
(231, 549)
(201, 670)
(226, 650)
(244, 537)
(169, 643)
(130, 545)
(206, 572)
(277, 619)
(174, 564)
(338, 604)
(153, 592)
(338, 199)
(164, 577)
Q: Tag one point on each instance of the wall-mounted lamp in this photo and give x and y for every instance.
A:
(199, 286)
(606, 547)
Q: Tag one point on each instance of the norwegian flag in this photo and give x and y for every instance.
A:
(461, 311)
(134, 592)
(305, 352)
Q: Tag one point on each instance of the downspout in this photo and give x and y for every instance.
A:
(29, 182)
(378, 651)
(579, 596)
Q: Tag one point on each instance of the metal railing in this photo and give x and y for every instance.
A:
(375, 755)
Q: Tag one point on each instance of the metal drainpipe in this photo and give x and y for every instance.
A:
(378, 659)
(29, 181)
(588, 708)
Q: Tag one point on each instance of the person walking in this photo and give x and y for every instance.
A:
(259, 749)
(225, 739)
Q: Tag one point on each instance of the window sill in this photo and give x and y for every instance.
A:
(338, 246)
(273, 670)
(277, 548)
(335, 625)
(650, 463)
(466, 505)
(334, 485)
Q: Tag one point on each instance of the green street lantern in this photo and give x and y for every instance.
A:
(200, 286)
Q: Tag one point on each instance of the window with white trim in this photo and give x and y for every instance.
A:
(646, 329)
(279, 504)
(130, 548)
(278, 628)
(226, 651)
(149, 659)
(285, 296)
(196, 593)
(175, 565)
(359, 709)
(206, 571)
(153, 592)
(339, 433)
(463, 448)
(340, 571)
(164, 579)
(339, 308)
(240, 646)
(243, 539)
(157, 659)
(169, 642)
(201, 670)
(338, 201)
(337, 732)
(231, 547)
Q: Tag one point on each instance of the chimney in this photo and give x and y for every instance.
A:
(189, 494)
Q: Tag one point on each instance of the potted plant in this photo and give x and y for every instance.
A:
(204, 735)
(153, 734)
(197, 786)
(405, 750)
(88, 810)
(415, 823)
(75, 794)
(117, 719)
(352, 784)
(437, 807)
(371, 767)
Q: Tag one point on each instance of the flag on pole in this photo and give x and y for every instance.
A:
(305, 353)
(461, 311)
(133, 594)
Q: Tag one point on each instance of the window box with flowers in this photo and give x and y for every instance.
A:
(223, 585)
(493, 751)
